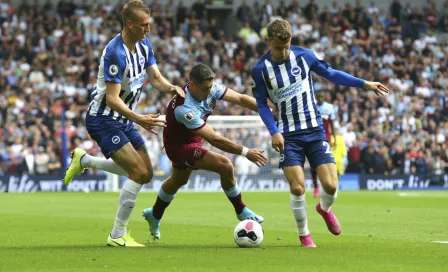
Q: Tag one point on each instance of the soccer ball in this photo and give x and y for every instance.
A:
(248, 233)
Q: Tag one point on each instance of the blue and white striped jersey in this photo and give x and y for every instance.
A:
(118, 64)
(289, 86)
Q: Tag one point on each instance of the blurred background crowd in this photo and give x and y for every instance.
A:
(49, 55)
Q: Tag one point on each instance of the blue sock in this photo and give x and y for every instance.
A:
(233, 192)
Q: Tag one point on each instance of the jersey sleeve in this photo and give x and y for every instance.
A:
(322, 68)
(218, 91)
(151, 58)
(189, 118)
(114, 64)
(260, 93)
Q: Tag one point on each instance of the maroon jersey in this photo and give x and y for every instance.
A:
(184, 115)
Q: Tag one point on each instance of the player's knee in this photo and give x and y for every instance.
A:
(225, 166)
(141, 176)
(297, 189)
(331, 188)
(179, 181)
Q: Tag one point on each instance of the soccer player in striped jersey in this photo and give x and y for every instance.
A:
(284, 75)
(328, 115)
(126, 63)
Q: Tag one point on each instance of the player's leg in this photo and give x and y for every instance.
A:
(315, 184)
(128, 159)
(292, 161)
(110, 136)
(220, 164)
(320, 156)
(167, 192)
(329, 180)
(81, 161)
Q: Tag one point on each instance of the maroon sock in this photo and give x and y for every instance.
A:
(237, 203)
(159, 208)
(314, 177)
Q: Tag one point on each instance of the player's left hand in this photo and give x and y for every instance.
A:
(377, 87)
(178, 90)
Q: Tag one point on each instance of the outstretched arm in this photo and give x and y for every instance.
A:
(160, 83)
(254, 155)
(323, 69)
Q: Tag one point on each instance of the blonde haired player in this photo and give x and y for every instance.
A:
(126, 63)
(284, 75)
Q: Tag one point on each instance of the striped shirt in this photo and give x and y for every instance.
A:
(289, 86)
(119, 65)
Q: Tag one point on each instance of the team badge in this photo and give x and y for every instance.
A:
(141, 60)
(115, 139)
(296, 71)
(212, 103)
(113, 70)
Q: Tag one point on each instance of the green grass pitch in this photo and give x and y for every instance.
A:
(381, 231)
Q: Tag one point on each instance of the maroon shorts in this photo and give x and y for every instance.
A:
(184, 156)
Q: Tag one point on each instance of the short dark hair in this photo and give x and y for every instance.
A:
(201, 72)
(129, 9)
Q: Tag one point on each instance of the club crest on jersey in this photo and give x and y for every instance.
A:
(296, 71)
(141, 60)
(113, 70)
(212, 103)
(189, 117)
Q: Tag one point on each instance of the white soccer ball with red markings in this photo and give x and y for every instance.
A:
(248, 233)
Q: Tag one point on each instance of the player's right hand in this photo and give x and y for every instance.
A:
(178, 91)
(278, 143)
(149, 121)
(256, 156)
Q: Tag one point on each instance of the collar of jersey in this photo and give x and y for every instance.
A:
(277, 62)
(188, 93)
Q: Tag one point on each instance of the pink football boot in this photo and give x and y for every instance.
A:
(307, 241)
(331, 220)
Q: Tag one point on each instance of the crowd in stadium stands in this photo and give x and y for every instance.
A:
(49, 60)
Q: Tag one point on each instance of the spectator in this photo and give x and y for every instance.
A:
(49, 66)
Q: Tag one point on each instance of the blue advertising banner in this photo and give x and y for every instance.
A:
(25, 183)
(403, 182)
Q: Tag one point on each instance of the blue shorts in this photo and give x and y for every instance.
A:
(111, 135)
(318, 153)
